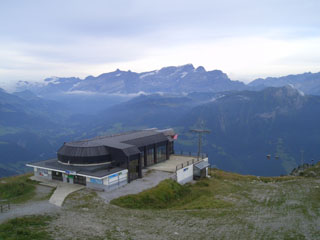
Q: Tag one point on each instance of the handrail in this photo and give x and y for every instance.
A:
(188, 163)
(191, 154)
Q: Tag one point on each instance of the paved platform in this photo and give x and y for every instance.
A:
(151, 178)
(171, 164)
(62, 189)
(45, 182)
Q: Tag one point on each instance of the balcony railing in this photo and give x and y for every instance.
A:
(191, 154)
(191, 161)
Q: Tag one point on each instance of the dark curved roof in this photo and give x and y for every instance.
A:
(68, 150)
(97, 150)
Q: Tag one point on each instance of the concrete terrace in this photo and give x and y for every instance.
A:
(174, 162)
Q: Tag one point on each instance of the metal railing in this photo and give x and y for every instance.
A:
(188, 163)
(191, 154)
(4, 206)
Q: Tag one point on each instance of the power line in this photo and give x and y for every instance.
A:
(200, 132)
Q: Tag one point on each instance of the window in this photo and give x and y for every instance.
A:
(142, 159)
(134, 169)
(161, 153)
(150, 156)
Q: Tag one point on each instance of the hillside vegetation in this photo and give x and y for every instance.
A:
(307, 170)
(26, 228)
(170, 194)
(199, 195)
(225, 206)
(17, 189)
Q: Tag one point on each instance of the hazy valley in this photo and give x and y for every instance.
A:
(248, 122)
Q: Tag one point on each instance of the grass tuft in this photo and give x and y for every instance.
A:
(17, 189)
(30, 227)
(159, 197)
(170, 194)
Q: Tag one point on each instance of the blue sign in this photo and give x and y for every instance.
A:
(185, 169)
(94, 180)
(70, 172)
(114, 175)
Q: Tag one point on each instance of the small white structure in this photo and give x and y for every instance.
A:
(200, 169)
(193, 170)
(185, 175)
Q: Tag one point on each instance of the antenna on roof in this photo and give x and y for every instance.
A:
(200, 132)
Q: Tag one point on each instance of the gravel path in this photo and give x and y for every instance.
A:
(149, 180)
(39, 204)
(31, 208)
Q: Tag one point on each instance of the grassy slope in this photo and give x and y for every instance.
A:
(312, 171)
(17, 189)
(229, 206)
(26, 228)
(233, 207)
(201, 195)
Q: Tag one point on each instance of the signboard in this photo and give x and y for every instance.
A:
(113, 175)
(71, 172)
(97, 181)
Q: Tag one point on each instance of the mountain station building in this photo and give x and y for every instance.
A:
(108, 162)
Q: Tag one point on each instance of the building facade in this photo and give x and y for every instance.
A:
(108, 162)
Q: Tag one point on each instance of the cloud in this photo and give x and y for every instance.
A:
(246, 39)
(89, 93)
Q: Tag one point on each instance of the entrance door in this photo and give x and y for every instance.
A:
(79, 180)
(57, 176)
(203, 173)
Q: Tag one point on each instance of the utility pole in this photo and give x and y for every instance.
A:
(200, 132)
(302, 157)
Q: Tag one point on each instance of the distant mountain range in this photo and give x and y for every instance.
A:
(246, 126)
(247, 122)
(174, 80)
(308, 83)
(183, 79)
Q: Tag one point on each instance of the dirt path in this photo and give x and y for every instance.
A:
(32, 208)
(38, 205)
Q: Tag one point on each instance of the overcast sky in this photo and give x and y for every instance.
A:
(245, 39)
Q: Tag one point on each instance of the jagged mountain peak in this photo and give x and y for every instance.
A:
(172, 79)
(176, 69)
(200, 69)
(308, 82)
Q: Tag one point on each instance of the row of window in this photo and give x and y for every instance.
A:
(161, 155)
